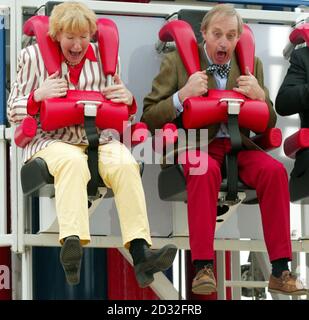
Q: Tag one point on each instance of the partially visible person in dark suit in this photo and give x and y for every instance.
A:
(293, 95)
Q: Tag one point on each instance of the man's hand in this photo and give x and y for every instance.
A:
(52, 87)
(197, 85)
(118, 92)
(249, 86)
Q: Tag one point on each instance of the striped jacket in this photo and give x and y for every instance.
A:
(31, 73)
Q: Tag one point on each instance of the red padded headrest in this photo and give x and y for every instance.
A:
(108, 33)
(245, 50)
(182, 33)
(38, 26)
(300, 34)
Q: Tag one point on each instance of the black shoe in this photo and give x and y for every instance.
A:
(71, 258)
(154, 260)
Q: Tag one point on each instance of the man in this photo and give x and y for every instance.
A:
(293, 95)
(72, 25)
(221, 28)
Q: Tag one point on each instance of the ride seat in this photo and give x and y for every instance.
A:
(38, 182)
(202, 111)
(35, 177)
(172, 186)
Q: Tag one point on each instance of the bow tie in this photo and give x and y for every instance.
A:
(221, 69)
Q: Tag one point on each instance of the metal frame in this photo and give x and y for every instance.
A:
(7, 238)
(277, 3)
(22, 241)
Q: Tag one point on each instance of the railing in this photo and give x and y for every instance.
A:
(279, 3)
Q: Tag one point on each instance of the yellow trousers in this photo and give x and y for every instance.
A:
(119, 171)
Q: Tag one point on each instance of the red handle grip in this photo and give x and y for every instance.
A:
(165, 137)
(135, 134)
(25, 132)
(270, 139)
(297, 141)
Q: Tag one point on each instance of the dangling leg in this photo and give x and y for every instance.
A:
(268, 176)
(202, 192)
(120, 172)
(68, 164)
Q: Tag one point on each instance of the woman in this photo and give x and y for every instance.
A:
(72, 25)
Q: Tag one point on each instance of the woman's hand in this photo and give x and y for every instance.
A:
(118, 92)
(52, 87)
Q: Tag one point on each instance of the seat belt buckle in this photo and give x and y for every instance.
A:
(233, 105)
(90, 107)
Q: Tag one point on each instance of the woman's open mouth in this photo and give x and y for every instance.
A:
(75, 56)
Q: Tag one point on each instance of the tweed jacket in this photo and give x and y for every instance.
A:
(158, 104)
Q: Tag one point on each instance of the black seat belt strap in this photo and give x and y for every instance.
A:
(232, 168)
(93, 140)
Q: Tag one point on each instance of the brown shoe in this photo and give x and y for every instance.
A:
(287, 284)
(204, 282)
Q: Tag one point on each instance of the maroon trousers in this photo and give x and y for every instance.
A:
(256, 169)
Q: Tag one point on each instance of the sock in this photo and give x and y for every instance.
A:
(278, 266)
(137, 250)
(200, 264)
(72, 236)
